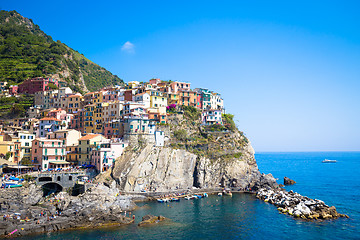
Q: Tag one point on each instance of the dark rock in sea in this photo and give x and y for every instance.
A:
(266, 181)
(288, 181)
(150, 219)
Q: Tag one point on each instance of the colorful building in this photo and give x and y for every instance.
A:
(158, 99)
(34, 85)
(48, 153)
(48, 124)
(86, 144)
(211, 116)
(74, 103)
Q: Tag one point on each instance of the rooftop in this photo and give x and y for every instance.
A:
(89, 136)
(50, 119)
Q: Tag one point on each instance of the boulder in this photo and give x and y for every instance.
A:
(288, 181)
(34, 196)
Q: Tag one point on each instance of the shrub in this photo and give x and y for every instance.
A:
(229, 121)
(191, 112)
(180, 135)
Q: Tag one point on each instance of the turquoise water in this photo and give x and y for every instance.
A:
(245, 217)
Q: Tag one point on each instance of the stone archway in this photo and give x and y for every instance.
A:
(51, 187)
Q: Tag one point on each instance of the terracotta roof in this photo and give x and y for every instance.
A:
(50, 119)
(89, 136)
(71, 96)
(58, 110)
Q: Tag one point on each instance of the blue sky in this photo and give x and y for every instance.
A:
(289, 71)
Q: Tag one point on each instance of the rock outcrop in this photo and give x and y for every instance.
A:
(163, 169)
(298, 206)
(288, 181)
(150, 219)
(28, 212)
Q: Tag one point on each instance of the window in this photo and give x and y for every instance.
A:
(27, 144)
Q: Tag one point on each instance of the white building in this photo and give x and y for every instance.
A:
(48, 124)
(211, 116)
(159, 138)
(105, 154)
(143, 98)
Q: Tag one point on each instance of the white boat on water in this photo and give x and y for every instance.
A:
(329, 161)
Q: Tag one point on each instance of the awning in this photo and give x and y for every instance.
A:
(59, 162)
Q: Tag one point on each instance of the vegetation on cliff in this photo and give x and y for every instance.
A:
(26, 52)
(215, 142)
(12, 107)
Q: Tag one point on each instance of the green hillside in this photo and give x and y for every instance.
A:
(26, 51)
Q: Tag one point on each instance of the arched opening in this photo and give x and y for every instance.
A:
(51, 187)
(58, 178)
(45, 179)
(70, 178)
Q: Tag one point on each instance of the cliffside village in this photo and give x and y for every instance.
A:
(66, 129)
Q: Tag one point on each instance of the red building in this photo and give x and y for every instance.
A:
(34, 85)
(13, 89)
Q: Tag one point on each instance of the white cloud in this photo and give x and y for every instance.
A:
(128, 47)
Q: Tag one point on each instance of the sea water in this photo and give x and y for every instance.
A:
(242, 216)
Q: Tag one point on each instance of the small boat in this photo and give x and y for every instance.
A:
(198, 196)
(219, 194)
(160, 200)
(175, 199)
(329, 161)
(15, 186)
(205, 195)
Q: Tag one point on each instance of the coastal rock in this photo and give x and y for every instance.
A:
(296, 205)
(288, 181)
(164, 169)
(34, 195)
(98, 206)
(150, 219)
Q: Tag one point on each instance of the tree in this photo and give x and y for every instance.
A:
(25, 161)
(52, 86)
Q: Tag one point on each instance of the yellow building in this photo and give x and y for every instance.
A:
(89, 118)
(74, 103)
(173, 98)
(158, 99)
(7, 149)
(85, 146)
(133, 84)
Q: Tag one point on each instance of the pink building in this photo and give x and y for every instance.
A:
(48, 153)
(155, 81)
(110, 94)
(58, 114)
(175, 87)
(13, 89)
(34, 85)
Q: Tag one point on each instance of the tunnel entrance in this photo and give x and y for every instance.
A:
(52, 187)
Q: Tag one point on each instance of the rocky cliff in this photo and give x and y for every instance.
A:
(192, 156)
